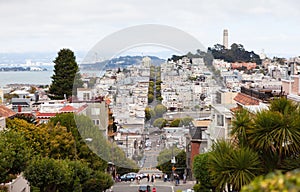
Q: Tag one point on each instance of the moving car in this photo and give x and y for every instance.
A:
(123, 177)
(158, 175)
(188, 190)
(144, 188)
(128, 177)
(131, 176)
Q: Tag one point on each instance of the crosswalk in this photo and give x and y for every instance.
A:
(157, 183)
(150, 168)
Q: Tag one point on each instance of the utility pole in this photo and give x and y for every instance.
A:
(173, 162)
(127, 145)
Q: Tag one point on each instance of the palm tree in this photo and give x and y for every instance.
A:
(232, 167)
(276, 133)
(240, 125)
(218, 161)
(283, 106)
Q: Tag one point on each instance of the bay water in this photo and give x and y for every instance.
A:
(31, 77)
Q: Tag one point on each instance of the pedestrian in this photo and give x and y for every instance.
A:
(152, 178)
(153, 189)
(176, 179)
(148, 177)
(165, 177)
(138, 179)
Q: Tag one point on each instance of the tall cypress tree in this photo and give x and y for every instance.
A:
(66, 78)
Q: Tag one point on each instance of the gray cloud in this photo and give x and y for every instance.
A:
(29, 25)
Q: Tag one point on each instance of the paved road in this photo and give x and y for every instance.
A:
(151, 155)
(159, 184)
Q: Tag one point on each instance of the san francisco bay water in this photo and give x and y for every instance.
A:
(31, 77)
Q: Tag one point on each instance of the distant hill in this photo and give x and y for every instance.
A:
(122, 62)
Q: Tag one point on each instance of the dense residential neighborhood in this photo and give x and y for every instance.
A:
(149, 96)
(146, 111)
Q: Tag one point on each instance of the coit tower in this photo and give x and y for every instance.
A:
(225, 38)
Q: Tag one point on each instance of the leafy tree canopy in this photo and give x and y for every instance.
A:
(48, 174)
(201, 172)
(164, 161)
(160, 110)
(275, 182)
(14, 153)
(236, 53)
(160, 122)
(149, 113)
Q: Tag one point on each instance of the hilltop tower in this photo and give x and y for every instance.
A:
(225, 38)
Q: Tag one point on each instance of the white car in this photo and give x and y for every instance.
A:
(188, 190)
(148, 144)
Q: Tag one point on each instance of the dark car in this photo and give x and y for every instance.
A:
(128, 177)
(131, 176)
(123, 177)
(144, 188)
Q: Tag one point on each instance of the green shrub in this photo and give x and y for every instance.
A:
(275, 182)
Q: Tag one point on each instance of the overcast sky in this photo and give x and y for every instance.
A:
(48, 25)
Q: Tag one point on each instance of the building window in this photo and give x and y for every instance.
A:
(204, 135)
(86, 96)
(95, 111)
(220, 120)
(96, 121)
(189, 148)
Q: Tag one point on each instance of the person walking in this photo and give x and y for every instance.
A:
(152, 178)
(176, 179)
(165, 177)
(138, 179)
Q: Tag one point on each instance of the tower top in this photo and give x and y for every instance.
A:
(225, 38)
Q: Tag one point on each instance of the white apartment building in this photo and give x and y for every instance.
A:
(220, 126)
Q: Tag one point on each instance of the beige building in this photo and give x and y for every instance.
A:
(84, 94)
(224, 96)
(291, 86)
